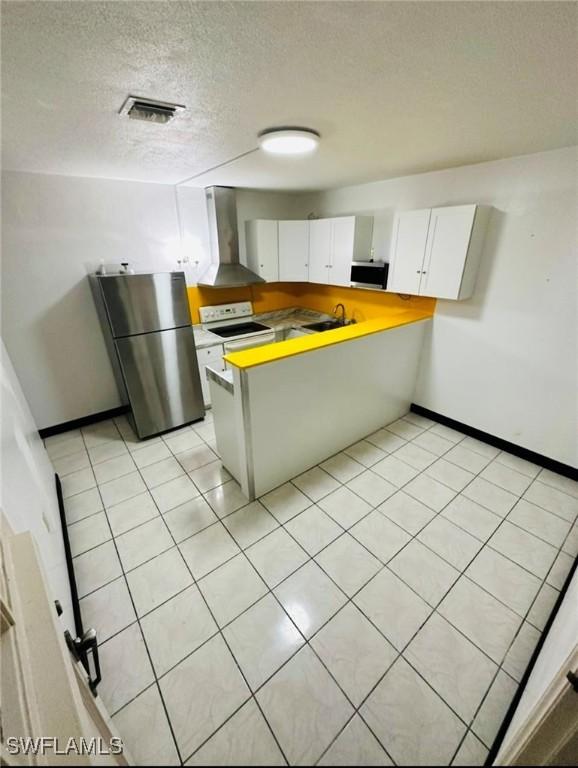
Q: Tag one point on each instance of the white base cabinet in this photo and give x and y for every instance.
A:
(212, 356)
(436, 251)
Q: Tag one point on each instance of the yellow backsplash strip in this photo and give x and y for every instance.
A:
(361, 304)
(266, 297)
(283, 349)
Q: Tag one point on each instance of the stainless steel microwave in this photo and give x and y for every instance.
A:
(369, 274)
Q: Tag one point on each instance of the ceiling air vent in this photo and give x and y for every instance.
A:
(149, 110)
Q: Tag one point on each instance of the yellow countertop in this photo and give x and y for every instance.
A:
(279, 350)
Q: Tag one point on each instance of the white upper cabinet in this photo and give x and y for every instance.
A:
(262, 244)
(334, 244)
(319, 250)
(293, 251)
(435, 252)
(343, 250)
(407, 251)
(315, 251)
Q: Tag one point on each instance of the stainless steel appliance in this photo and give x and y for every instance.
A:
(369, 274)
(234, 323)
(146, 323)
(226, 269)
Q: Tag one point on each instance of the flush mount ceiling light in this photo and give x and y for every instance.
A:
(288, 140)
(149, 110)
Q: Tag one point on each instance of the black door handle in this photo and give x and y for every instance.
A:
(81, 647)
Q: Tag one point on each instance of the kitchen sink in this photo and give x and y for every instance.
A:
(324, 325)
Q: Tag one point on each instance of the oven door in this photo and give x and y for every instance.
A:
(258, 340)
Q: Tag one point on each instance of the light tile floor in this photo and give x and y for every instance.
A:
(380, 608)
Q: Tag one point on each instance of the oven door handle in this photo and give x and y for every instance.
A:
(257, 340)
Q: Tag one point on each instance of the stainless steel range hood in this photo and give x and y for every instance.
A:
(225, 271)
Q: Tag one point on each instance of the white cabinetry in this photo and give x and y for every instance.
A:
(293, 251)
(436, 251)
(408, 250)
(334, 244)
(212, 356)
(316, 251)
(319, 250)
(262, 243)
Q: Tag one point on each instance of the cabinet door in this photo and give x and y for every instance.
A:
(410, 230)
(319, 250)
(213, 357)
(294, 251)
(342, 241)
(446, 250)
(262, 243)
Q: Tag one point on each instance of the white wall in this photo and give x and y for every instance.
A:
(251, 204)
(27, 491)
(55, 230)
(505, 360)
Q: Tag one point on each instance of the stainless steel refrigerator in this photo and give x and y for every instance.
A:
(146, 323)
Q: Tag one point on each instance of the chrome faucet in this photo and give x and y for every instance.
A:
(335, 308)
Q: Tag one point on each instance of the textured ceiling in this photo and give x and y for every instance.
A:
(393, 87)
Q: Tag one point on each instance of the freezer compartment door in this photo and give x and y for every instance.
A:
(162, 379)
(145, 303)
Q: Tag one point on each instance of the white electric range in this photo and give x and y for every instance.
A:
(234, 324)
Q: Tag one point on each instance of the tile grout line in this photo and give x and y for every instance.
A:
(312, 557)
(350, 599)
(462, 573)
(456, 493)
(347, 530)
(219, 632)
(142, 635)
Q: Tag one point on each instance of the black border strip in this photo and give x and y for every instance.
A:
(69, 564)
(554, 466)
(84, 421)
(498, 442)
(493, 753)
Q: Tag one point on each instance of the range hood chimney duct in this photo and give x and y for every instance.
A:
(225, 271)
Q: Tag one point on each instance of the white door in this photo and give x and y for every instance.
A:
(544, 728)
(293, 251)
(262, 245)
(45, 692)
(446, 250)
(343, 238)
(319, 250)
(408, 250)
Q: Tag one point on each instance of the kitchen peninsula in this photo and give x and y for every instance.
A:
(278, 412)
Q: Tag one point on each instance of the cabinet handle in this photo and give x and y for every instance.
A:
(418, 271)
(424, 272)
